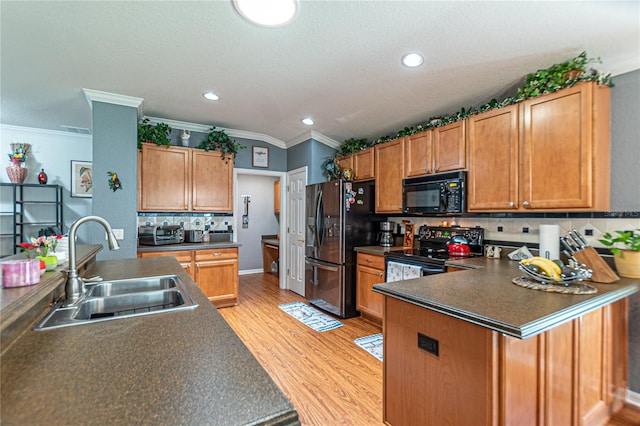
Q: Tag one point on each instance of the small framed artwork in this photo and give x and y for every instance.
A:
(260, 156)
(81, 179)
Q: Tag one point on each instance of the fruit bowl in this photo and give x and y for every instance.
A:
(542, 271)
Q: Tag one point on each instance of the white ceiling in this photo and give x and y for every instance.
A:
(338, 61)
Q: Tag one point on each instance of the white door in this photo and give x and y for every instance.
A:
(296, 194)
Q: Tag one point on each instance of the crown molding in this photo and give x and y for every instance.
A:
(61, 133)
(113, 98)
(312, 134)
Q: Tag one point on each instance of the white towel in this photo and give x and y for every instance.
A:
(411, 271)
(399, 271)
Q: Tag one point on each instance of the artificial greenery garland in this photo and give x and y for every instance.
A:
(552, 79)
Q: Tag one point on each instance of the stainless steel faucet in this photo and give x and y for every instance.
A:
(75, 286)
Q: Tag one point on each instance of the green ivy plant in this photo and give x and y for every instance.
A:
(351, 146)
(630, 240)
(218, 140)
(158, 134)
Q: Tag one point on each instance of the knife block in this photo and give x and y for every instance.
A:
(602, 273)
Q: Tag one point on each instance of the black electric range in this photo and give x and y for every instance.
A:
(430, 255)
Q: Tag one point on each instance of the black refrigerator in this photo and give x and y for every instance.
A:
(340, 216)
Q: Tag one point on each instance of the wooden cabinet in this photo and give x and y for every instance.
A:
(276, 197)
(550, 153)
(449, 147)
(572, 374)
(418, 158)
(184, 179)
(492, 182)
(370, 270)
(389, 168)
(364, 164)
(184, 257)
(345, 162)
(216, 272)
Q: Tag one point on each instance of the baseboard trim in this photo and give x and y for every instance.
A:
(251, 271)
(633, 398)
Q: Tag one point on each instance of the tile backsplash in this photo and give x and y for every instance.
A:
(213, 222)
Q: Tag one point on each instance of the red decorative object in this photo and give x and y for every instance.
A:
(42, 177)
(16, 173)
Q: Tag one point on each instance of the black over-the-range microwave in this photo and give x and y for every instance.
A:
(442, 193)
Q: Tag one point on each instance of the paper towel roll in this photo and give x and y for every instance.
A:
(550, 241)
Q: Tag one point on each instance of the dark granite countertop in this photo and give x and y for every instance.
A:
(486, 296)
(377, 250)
(185, 367)
(187, 246)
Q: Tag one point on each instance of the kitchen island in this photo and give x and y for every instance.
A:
(185, 367)
(470, 347)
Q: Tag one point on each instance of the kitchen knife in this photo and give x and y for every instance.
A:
(581, 238)
(571, 246)
(575, 241)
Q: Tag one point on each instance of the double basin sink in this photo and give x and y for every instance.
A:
(119, 299)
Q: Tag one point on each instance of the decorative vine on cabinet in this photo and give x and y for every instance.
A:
(551, 152)
(184, 179)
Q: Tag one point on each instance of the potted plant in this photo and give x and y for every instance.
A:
(158, 134)
(627, 258)
(218, 140)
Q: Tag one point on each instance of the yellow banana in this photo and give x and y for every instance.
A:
(547, 268)
(550, 263)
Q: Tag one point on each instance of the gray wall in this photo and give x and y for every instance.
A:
(310, 153)
(625, 191)
(115, 150)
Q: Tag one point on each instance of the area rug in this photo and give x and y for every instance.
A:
(310, 317)
(371, 344)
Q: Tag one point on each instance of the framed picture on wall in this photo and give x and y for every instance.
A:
(81, 179)
(260, 156)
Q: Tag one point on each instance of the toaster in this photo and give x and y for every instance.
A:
(156, 235)
(193, 236)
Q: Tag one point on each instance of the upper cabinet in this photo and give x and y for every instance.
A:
(449, 147)
(184, 179)
(389, 166)
(364, 164)
(418, 158)
(554, 157)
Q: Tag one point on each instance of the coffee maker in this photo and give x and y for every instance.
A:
(385, 236)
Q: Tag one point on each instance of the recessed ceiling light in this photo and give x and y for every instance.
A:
(308, 121)
(211, 96)
(267, 13)
(412, 60)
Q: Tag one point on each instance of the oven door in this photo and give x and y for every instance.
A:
(399, 269)
(420, 196)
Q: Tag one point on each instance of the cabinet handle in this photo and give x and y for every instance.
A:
(435, 169)
(369, 260)
(379, 274)
(512, 204)
(216, 254)
(525, 204)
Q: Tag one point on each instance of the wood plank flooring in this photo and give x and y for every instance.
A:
(327, 377)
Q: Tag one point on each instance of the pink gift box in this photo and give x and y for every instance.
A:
(20, 273)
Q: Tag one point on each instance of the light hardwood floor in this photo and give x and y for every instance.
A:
(327, 377)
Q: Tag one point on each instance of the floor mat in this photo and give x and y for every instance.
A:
(310, 317)
(371, 344)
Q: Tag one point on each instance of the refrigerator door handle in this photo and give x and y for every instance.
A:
(322, 266)
(319, 220)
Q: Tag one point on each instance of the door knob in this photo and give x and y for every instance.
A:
(301, 241)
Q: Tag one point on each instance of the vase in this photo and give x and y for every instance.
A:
(17, 173)
(42, 177)
(50, 261)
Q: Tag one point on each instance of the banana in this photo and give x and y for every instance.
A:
(549, 267)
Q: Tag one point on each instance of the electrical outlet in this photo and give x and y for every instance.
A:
(119, 234)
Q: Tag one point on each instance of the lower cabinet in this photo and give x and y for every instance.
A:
(370, 271)
(215, 271)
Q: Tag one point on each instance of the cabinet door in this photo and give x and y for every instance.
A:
(212, 182)
(216, 273)
(449, 147)
(389, 174)
(163, 178)
(492, 182)
(364, 164)
(418, 154)
(370, 271)
(557, 157)
(345, 162)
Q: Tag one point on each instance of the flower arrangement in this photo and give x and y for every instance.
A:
(42, 245)
(18, 153)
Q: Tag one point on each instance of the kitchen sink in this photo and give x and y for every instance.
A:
(120, 299)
